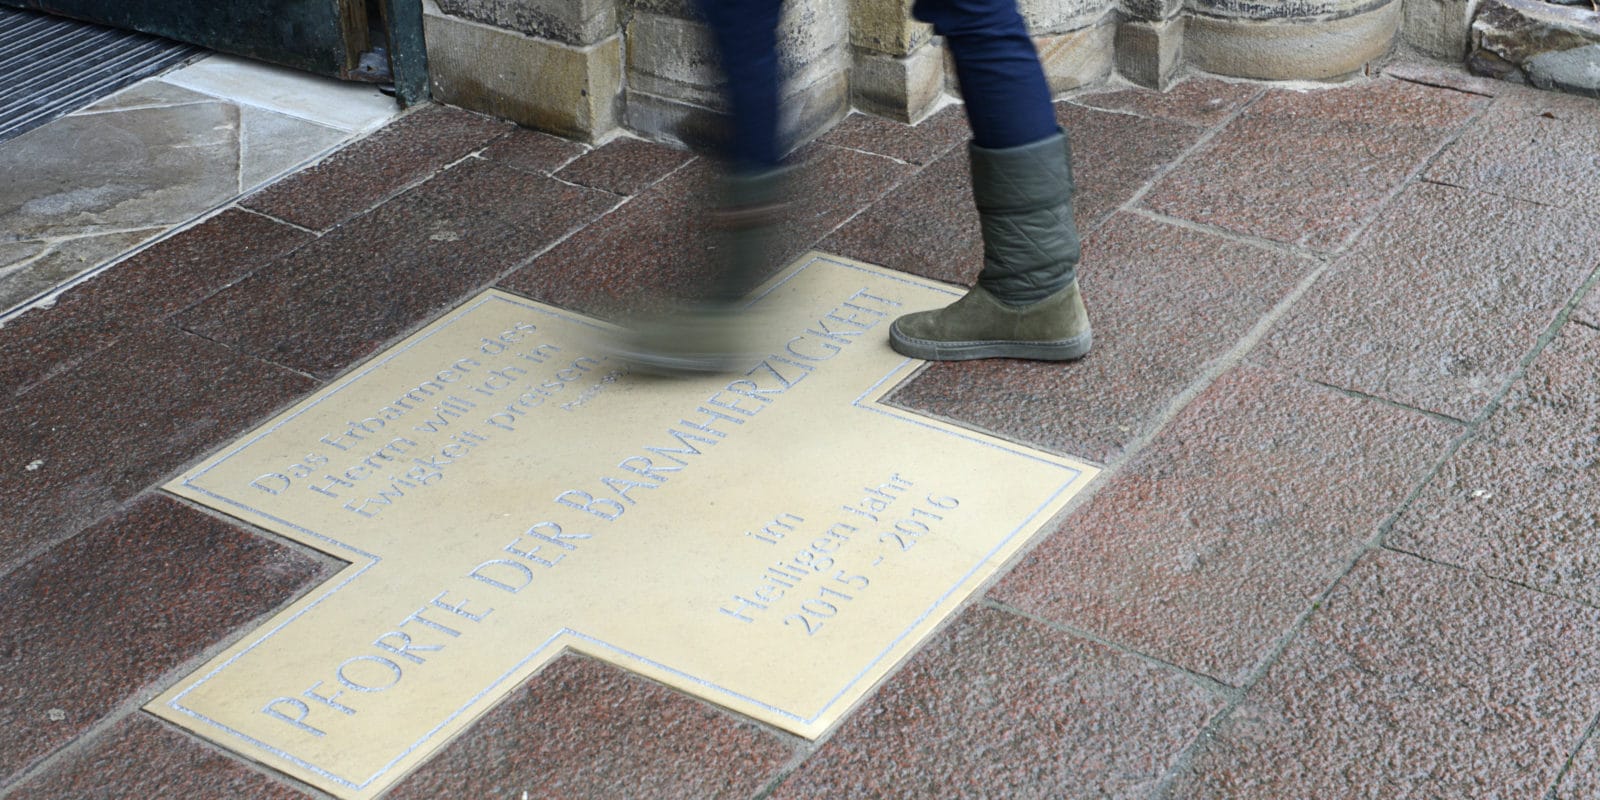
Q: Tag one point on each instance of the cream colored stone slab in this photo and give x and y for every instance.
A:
(773, 541)
(351, 107)
(273, 144)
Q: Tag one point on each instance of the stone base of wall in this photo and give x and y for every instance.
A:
(1079, 58)
(1291, 49)
(809, 112)
(1150, 54)
(901, 88)
(1438, 28)
(647, 65)
(570, 90)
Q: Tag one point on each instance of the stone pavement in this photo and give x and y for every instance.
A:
(1342, 390)
(88, 187)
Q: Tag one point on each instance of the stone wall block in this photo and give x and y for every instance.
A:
(1079, 58)
(1053, 17)
(1150, 53)
(669, 120)
(1071, 60)
(902, 88)
(1310, 13)
(1439, 28)
(1151, 10)
(886, 26)
(674, 58)
(566, 89)
(675, 84)
(579, 22)
(682, 9)
(814, 40)
(1290, 48)
(809, 111)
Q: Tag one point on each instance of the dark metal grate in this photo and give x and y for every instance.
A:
(52, 66)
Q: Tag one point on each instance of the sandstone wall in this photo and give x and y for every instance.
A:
(583, 68)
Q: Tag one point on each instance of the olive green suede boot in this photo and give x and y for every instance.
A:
(980, 326)
(709, 330)
(1026, 303)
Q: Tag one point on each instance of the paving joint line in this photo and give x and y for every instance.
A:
(1384, 401)
(1415, 176)
(47, 299)
(518, 266)
(1257, 242)
(1377, 541)
(264, 215)
(1210, 683)
(1481, 574)
(133, 705)
(816, 243)
(1077, 101)
(1589, 734)
(1215, 370)
(1495, 403)
(1503, 196)
(1436, 85)
(1205, 139)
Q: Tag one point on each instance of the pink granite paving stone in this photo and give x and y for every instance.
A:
(152, 284)
(91, 623)
(928, 225)
(649, 246)
(1446, 77)
(656, 247)
(79, 445)
(386, 273)
(624, 166)
(1353, 147)
(1115, 155)
(1201, 102)
(918, 144)
(1439, 304)
(143, 757)
(1582, 778)
(582, 729)
(1164, 301)
(533, 151)
(1415, 680)
(1531, 145)
(1520, 501)
(1588, 311)
(1206, 548)
(371, 171)
(1001, 706)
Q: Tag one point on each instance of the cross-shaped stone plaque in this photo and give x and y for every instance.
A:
(774, 540)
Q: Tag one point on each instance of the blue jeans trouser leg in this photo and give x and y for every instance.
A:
(1007, 98)
(745, 32)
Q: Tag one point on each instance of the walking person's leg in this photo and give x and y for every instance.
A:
(1026, 303)
(707, 333)
(746, 36)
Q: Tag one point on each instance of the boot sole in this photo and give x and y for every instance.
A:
(929, 350)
